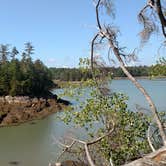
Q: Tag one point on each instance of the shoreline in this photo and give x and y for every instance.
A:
(19, 111)
(65, 84)
(30, 122)
(141, 78)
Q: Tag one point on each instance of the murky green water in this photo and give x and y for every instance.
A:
(34, 145)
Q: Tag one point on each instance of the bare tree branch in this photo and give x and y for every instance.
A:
(154, 5)
(88, 155)
(92, 49)
(149, 139)
(66, 148)
(103, 136)
(86, 145)
(97, 14)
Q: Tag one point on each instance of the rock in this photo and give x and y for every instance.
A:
(9, 119)
(2, 117)
(19, 109)
(35, 100)
(9, 99)
(63, 101)
(2, 99)
(14, 163)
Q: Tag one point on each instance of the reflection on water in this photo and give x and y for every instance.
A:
(32, 144)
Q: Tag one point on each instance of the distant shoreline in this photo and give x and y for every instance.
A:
(63, 84)
(140, 77)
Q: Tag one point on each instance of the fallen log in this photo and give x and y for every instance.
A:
(157, 158)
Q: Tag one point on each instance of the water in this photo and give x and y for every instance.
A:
(34, 144)
(156, 89)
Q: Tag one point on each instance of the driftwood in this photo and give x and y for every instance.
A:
(157, 158)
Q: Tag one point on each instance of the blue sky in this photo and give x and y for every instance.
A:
(61, 30)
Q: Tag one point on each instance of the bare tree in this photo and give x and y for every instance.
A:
(109, 33)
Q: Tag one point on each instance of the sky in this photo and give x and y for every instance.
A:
(61, 30)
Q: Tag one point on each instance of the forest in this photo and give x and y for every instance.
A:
(22, 76)
(76, 74)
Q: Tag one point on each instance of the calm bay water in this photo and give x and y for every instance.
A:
(156, 89)
(34, 144)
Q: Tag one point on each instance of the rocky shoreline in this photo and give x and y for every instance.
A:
(19, 109)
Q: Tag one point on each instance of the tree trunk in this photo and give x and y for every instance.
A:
(141, 89)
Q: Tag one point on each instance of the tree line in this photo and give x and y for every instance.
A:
(76, 74)
(159, 69)
(22, 76)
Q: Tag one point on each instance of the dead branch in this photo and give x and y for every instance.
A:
(92, 49)
(157, 8)
(88, 155)
(86, 145)
(97, 14)
(103, 136)
(66, 148)
(149, 140)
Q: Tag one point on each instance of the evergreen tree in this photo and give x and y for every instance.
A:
(29, 49)
(4, 52)
(14, 52)
(23, 77)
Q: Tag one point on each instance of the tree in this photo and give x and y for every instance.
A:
(123, 132)
(159, 69)
(92, 111)
(110, 34)
(29, 49)
(42, 80)
(4, 52)
(4, 79)
(14, 53)
(15, 78)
